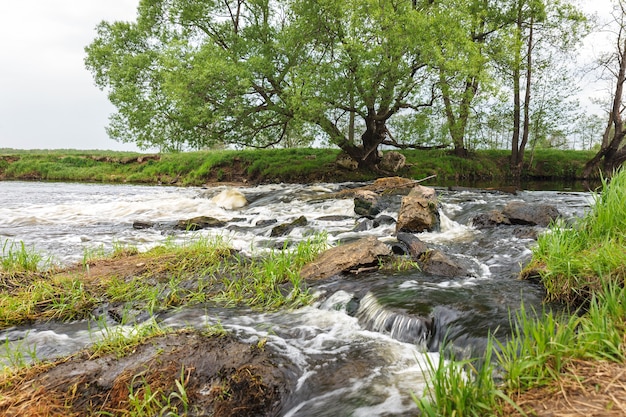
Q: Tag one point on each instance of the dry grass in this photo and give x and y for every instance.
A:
(586, 388)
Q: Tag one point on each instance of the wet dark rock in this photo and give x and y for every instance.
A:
(200, 222)
(333, 218)
(438, 263)
(263, 223)
(142, 225)
(411, 245)
(418, 211)
(286, 228)
(366, 203)
(530, 214)
(350, 257)
(383, 219)
(526, 233)
(491, 219)
(365, 224)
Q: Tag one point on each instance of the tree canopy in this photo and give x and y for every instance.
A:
(192, 74)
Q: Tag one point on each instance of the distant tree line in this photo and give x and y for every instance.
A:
(358, 74)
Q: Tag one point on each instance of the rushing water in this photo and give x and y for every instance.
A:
(361, 348)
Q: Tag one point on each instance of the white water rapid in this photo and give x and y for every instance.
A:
(361, 348)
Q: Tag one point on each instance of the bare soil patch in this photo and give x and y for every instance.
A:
(591, 389)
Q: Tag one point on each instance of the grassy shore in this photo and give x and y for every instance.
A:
(555, 364)
(272, 166)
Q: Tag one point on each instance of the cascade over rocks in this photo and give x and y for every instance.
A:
(350, 257)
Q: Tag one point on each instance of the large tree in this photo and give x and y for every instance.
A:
(538, 24)
(612, 152)
(250, 72)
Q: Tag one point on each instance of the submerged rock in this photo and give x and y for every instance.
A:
(364, 252)
(286, 228)
(491, 219)
(200, 222)
(438, 263)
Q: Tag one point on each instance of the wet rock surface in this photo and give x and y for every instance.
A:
(419, 211)
(220, 376)
(353, 256)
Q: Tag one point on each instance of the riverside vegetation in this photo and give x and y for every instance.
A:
(547, 349)
(555, 364)
(276, 165)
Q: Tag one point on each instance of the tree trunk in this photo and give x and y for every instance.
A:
(516, 98)
(458, 125)
(529, 73)
(610, 154)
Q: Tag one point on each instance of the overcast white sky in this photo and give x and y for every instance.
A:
(47, 98)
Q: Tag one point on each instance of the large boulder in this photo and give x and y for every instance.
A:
(230, 199)
(418, 211)
(392, 161)
(530, 214)
(366, 203)
(345, 161)
(362, 253)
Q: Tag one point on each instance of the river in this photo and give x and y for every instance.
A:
(349, 362)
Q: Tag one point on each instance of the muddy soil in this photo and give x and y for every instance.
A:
(186, 373)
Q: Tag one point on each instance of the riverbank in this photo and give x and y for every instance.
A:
(64, 292)
(556, 364)
(277, 165)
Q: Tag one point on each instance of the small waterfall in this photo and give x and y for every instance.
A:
(372, 315)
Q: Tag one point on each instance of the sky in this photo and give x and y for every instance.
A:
(48, 100)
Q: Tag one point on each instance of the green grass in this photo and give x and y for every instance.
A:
(17, 258)
(272, 165)
(574, 261)
(577, 267)
(199, 271)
